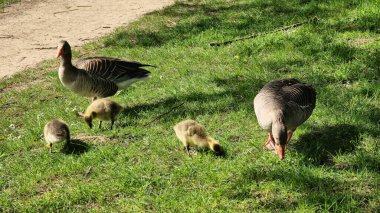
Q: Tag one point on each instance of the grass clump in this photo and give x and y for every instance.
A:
(332, 164)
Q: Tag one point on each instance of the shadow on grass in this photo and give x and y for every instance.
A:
(321, 144)
(192, 19)
(239, 94)
(75, 147)
(293, 186)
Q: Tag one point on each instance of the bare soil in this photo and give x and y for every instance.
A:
(30, 30)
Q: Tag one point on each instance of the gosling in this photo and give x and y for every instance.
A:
(103, 109)
(194, 134)
(56, 131)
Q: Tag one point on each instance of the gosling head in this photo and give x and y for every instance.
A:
(64, 49)
(87, 118)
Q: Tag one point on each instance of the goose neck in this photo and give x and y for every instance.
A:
(66, 61)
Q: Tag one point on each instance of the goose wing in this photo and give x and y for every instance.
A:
(300, 100)
(113, 69)
(93, 86)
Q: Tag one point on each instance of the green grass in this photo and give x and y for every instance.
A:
(5, 3)
(332, 164)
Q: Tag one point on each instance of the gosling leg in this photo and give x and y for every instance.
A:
(187, 150)
(112, 121)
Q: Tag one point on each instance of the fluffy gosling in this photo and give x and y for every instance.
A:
(56, 131)
(103, 109)
(194, 134)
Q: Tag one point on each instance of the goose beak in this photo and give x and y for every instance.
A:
(281, 151)
(59, 53)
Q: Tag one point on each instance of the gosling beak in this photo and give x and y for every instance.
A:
(281, 151)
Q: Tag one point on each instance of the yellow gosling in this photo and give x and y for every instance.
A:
(103, 109)
(194, 134)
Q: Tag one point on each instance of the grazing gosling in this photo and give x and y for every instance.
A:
(103, 109)
(194, 134)
(56, 131)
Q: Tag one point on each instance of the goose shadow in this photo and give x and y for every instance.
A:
(238, 90)
(75, 147)
(323, 143)
(206, 17)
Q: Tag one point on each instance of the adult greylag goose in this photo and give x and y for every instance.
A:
(97, 76)
(280, 107)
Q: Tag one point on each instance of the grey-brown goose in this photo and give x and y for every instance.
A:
(97, 76)
(280, 107)
(56, 131)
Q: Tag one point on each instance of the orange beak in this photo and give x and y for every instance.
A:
(59, 52)
(281, 151)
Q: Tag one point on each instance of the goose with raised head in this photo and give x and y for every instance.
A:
(280, 107)
(56, 131)
(97, 76)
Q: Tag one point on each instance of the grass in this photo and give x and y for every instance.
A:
(5, 3)
(332, 164)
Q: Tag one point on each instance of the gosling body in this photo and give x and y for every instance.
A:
(193, 134)
(103, 109)
(56, 131)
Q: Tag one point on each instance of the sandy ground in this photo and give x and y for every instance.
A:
(30, 30)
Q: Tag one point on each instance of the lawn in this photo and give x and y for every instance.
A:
(332, 163)
(5, 3)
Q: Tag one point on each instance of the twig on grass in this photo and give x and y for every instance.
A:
(264, 33)
(158, 117)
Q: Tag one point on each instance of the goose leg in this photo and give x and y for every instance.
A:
(290, 134)
(51, 147)
(100, 124)
(270, 142)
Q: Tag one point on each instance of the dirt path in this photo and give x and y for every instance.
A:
(30, 30)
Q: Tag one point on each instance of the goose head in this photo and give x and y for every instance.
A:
(64, 49)
(279, 132)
